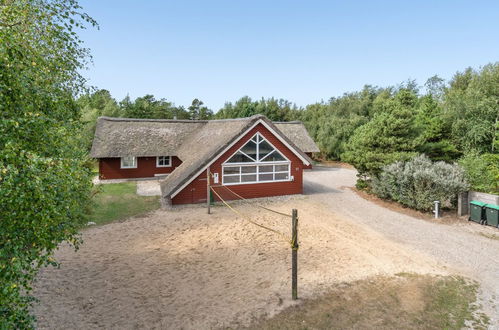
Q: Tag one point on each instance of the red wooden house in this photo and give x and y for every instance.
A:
(253, 156)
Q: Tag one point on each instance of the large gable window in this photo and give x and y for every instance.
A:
(256, 161)
(128, 162)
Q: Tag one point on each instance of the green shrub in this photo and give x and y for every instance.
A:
(482, 171)
(419, 182)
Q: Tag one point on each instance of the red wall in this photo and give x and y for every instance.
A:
(308, 167)
(195, 192)
(109, 168)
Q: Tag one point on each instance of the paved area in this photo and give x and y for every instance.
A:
(149, 188)
(145, 187)
(460, 247)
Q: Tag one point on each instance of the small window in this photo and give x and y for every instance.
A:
(128, 162)
(163, 161)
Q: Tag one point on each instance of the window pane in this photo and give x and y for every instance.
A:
(282, 168)
(274, 157)
(239, 158)
(248, 178)
(163, 161)
(266, 177)
(128, 161)
(250, 149)
(231, 179)
(266, 168)
(231, 170)
(281, 176)
(248, 169)
(264, 149)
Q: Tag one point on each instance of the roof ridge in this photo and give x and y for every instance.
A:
(122, 119)
(151, 120)
(288, 122)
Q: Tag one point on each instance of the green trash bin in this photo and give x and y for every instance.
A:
(492, 214)
(212, 198)
(477, 211)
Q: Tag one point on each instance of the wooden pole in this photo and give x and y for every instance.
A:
(294, 255)
(208, 189)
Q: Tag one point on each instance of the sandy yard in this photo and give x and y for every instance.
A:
(186, 269)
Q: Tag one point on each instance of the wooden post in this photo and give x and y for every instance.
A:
(208, 189)
(294, 255)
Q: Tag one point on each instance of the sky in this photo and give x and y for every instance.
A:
(302, 51)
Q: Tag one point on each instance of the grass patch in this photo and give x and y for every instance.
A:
(118, 201)
(95, 167)
(400, 302)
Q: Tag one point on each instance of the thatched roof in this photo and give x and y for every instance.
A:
(195, 142)
(119, 137)
(296, 132)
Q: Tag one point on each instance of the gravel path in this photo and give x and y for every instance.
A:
(459, 247)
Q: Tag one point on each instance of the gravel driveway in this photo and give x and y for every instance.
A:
(459, 247)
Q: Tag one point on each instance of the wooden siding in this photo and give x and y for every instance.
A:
(195, 192)
(110, 168)
(308, 167)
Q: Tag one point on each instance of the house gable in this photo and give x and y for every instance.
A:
(258, 120)
(195, 190)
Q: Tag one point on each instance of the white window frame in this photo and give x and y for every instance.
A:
(257, 165)
(134, 162)
(169, 161)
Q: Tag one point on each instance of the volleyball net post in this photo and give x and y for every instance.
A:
(294, 255)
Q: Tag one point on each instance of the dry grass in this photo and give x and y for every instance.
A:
(406, 301)
(489, 235)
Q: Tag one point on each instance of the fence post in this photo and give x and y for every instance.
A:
(462, 204)
(208, 189)
(294, 255)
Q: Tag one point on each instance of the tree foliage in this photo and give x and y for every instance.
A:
(44, 180)
(274, 109)
(389, 136)
(482, 171)
(471, 106)
(197, 110)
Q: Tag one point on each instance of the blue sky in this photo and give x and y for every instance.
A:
(303, 51)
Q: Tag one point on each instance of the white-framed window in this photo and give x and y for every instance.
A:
(256, 161)
(129, 162)
(163, 161)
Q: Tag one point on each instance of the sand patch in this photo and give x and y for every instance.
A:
(186, 269)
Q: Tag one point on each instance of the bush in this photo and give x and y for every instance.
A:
(482, 171)
(419, 182)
